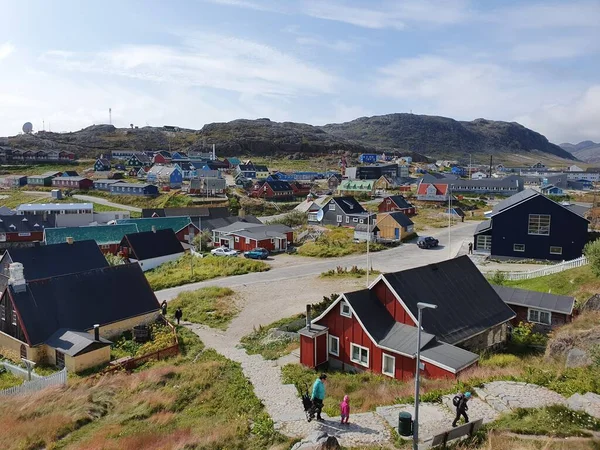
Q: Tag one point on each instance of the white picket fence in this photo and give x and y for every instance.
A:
(56, 379)
(566, 265)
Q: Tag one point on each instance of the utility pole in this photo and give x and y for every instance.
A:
(449, 220)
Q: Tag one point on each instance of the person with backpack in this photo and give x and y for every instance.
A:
(318, 395)
(460, 402)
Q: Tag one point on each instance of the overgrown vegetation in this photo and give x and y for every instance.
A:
(292, 219)
(592, 253)
(272, 341)
(8, 380)
(198, 400)
(260, 207)
(211, 306)
(337, 242)
(523, 334)
(345, 272)
(161, 337)
(189, 269)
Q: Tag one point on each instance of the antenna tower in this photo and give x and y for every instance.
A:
(110, 116)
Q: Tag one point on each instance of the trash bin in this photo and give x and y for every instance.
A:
(405, 424)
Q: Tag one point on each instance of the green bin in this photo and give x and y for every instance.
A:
(405, 424)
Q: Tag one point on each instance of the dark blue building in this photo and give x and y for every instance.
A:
(530, 225)
(147, 190)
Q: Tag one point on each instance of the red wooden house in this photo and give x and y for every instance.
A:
(397, 203)
(300, 189)
(244, 236)
(274, 190)
(375, 329)
(73, 182)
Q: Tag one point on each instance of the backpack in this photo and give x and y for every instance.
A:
(456, 400)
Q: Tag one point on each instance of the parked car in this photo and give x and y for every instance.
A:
(427, 242)
(257, 253)
(223, 251)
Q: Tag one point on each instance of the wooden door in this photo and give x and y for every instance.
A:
(322, 353)
(60, 359)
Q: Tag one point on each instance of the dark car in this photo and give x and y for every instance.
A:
(257, 253)
(427, 242)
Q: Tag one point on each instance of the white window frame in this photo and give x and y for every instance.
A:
(332, 207)
(518, 247)
(540, 231)
(329, 348)
(339, 219)
(484, 243)
(393, 358)
(344, 313)
(237, 239)
(13, 318)
(361, 349)
(555, 252)
(248, 240)
(347, 219)
(537, 316)
(355, 219)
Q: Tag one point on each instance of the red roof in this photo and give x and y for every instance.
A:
(441, 189)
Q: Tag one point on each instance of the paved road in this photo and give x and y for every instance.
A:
(400, 258)
(91, 199)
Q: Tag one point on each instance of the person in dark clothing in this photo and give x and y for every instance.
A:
(178, 315)
(163, 307)
(317, 397)
(460, 401)
(470, 248)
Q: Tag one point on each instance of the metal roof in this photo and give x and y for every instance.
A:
(102, 234)
(73, 342)
(150, 244)
(514, 200)
(159, 223)
(541, 300)
(54, 206)
(483, 226)
(349, 205)
(401, 218)
(448, 355)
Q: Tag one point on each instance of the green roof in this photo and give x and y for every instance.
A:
(161, 223)
(356, 185)
(102, 234)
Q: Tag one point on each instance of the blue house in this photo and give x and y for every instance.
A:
(367, 158)
(247, 170)
(147, 190)
(529, 225)
(102, 165)
(281, 176)
(188, 170)
(308, 176)
(171, 176)
(550, 189)
(179, 156)
(460, 171)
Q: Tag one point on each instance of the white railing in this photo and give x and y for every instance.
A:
(56, 379)
(566, 265)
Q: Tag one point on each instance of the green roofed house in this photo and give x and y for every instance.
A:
(352, 187)
(182, 226)
(107, 237)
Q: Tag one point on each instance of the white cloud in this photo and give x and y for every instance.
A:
(555, 48)
(549, 15)
(206, 60)
(389, 14)
(6, 49)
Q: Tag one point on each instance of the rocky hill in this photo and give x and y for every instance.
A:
(587, 151)
(436, 137)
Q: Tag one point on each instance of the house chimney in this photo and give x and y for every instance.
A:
(17, 278)
(70, 240)
(153, 229)
(308, 318)
(97, 332)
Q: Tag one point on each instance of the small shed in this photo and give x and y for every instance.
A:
(366, 232)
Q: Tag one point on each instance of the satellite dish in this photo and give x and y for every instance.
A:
(27, 127)
(320, 215)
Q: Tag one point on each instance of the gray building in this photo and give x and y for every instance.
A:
(343, 211)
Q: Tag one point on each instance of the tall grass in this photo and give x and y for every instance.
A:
(189, 269)
(336, 242)
(211, 306)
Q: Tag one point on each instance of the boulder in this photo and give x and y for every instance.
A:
(331, 443)
(577, 358)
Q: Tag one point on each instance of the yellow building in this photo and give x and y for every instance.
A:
(394, 226)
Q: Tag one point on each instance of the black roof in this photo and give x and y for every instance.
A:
(483, 226)
(211, 224)
(260, 168)
(46, 261)
(400, 201)
(522, 297)
(401, 218)
(27, 223)
(279, 186)
(78, 301)
(191, 211)
(349, 205)
(152, 244)
(515, 200)
(580, 210)
(436, 177)
(466, 303)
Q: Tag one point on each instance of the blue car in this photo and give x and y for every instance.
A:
(257, 253)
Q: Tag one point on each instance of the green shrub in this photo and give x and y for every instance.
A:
(292, 219)
(499, 360)
(498, 278)
(523, 335)
(345, 272)
(592, 253)
(336, 242)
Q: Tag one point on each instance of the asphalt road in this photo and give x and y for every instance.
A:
(403, 257)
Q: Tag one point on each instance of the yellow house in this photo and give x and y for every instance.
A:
(394, 226)
(67, 320)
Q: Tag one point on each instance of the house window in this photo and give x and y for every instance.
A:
(339, 219)
(237, 239)
(334, 345)
(332, 207)
(388, 365)
(359, 355)
(2, 312)
(484, 243)
(347, 219)
(14, 316)
(539, 316)
(355, 219)
(518, 247)
(312, 217)
(539, 224)
(247, 240)
(345, 309)
(555, 250)
(361, 221)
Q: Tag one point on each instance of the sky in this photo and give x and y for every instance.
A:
(64, 63)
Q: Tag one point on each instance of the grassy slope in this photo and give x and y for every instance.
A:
(8, 380)
(179, 272)
(198, 400)
(211, 306)
(579, 283)
(256, 342)
(336, 242)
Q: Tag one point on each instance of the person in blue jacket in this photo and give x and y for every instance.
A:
(318, 395)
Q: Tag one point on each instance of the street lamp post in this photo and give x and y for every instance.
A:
(420, 306)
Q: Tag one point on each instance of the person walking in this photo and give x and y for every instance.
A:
(318, 395)
(178, 315)
(345, 410)
(163, 307)
(470, 248)
(460, 401)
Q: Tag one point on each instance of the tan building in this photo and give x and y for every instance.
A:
(67, 320)
(394, 226)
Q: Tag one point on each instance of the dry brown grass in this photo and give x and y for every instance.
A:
(502, 441)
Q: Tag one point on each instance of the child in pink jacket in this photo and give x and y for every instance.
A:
(345, 410)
